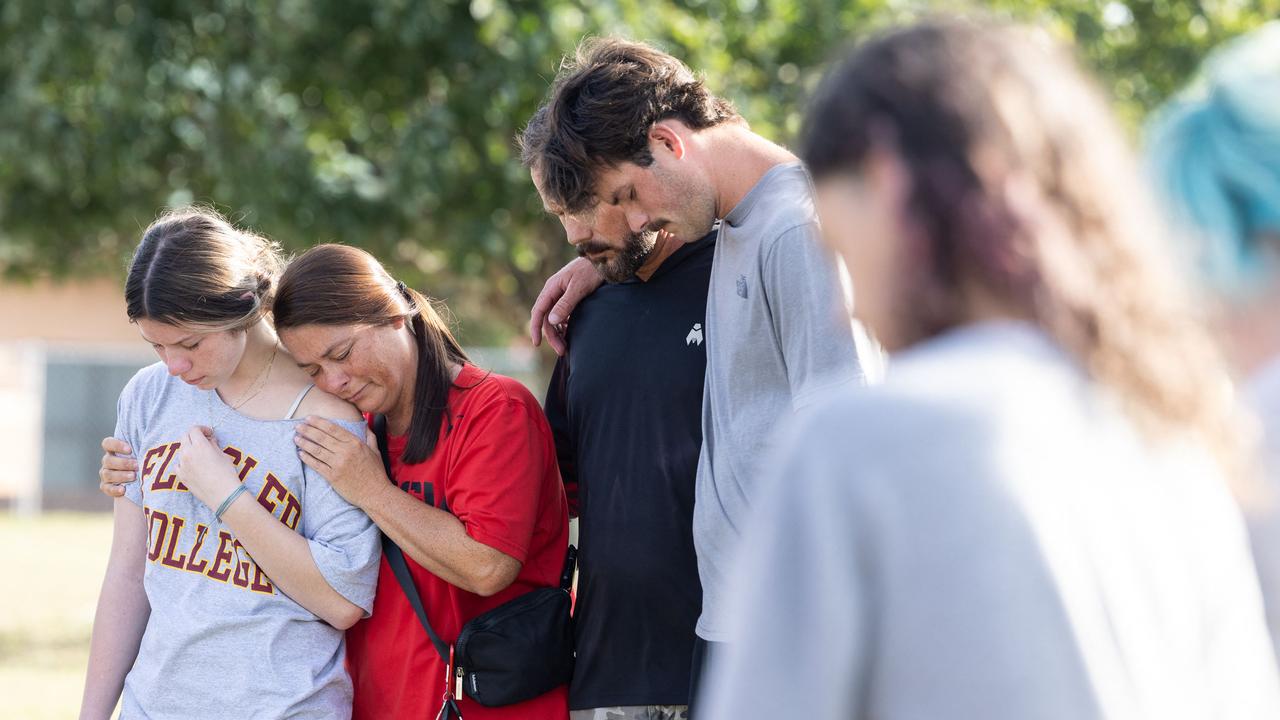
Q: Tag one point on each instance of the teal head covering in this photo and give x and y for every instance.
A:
(1215, 154)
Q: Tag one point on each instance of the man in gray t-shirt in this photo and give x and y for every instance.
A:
(778, 338)
(633, 127)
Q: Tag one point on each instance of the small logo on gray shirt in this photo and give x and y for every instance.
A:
(742, 286)
(695, 335)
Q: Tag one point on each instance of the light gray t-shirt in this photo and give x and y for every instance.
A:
(779, 336)
(986, 537)
(221, 640)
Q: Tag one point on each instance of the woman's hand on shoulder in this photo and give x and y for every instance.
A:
(119, 468)
(352, 465)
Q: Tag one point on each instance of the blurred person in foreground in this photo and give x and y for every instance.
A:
(1215, 154)
(1032, 517)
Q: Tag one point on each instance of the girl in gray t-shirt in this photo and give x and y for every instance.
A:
(234, 568)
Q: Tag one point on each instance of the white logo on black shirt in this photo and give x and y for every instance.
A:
(695, 335)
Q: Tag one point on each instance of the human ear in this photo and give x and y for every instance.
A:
(664, 134)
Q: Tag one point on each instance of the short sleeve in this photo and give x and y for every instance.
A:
(345, 544)
(557, 411)
(129, 430)
(811, 315)
(495, 479)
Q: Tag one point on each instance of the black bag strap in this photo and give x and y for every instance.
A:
(570, 564)
(395, 556)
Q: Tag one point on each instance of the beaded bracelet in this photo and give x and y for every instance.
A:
(230, 499)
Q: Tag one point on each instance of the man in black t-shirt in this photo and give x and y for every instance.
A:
(625, 406)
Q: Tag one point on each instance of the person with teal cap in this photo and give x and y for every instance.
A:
(1214, 152)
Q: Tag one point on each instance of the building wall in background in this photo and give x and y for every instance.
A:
(63, 349)
(84, 312)
(80, 391)
(21, 423)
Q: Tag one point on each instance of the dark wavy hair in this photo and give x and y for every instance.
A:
(602, 106)
(341, 285)
(1020, 181)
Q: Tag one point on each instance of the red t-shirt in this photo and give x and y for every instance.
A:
(496, 469)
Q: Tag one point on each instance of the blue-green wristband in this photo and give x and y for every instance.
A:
(230, 499)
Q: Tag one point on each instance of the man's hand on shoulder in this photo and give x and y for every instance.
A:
(560, 295)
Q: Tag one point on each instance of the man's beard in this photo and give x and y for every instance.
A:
(622, 264)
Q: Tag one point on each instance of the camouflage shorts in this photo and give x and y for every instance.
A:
(633, 712)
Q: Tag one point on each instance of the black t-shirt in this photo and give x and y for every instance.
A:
(625, 406)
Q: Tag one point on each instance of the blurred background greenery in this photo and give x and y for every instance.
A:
(389, 124)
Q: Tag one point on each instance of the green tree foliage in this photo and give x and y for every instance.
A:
(389, 124)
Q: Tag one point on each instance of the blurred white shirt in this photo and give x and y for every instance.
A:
(1263, 394)
(985, 536)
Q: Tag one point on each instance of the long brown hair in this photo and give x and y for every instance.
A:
(193, 268)
(1021, 182)
(341, 285)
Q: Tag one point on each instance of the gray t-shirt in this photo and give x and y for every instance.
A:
(987, 537)
(221, 640)
(779, 336)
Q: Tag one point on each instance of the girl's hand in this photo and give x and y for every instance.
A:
(206, 471)
(352, 467)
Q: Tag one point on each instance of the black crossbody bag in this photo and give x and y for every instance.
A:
(516, 651)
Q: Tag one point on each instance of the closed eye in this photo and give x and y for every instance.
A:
(345, 353)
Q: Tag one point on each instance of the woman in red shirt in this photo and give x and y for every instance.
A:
(476, 503)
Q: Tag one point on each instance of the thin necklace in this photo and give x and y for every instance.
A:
(256, 387)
